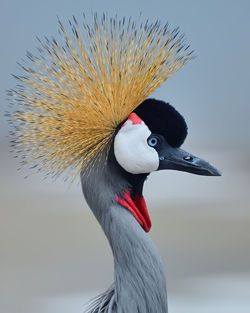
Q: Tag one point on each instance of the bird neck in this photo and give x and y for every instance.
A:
(140, 285)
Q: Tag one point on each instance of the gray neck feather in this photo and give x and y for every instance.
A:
(139, 285)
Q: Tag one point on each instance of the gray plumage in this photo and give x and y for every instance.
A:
(139, 279)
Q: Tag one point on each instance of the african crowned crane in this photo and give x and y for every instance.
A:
(83, 107)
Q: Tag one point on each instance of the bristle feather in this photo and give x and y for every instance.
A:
(75, 94)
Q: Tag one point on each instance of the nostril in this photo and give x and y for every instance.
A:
(188, 158)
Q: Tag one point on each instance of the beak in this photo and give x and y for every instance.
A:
(180, 160)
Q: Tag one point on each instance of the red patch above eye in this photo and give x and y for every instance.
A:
(134, 118)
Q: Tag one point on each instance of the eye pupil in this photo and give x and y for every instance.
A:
(153, 141)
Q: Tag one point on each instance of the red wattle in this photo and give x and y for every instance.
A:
(137, 207)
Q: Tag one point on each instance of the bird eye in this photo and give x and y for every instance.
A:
(153, 141)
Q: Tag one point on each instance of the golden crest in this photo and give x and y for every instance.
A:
(74, 94)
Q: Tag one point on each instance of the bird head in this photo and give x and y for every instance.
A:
(83, 99)
(81, 104)
(150, 140)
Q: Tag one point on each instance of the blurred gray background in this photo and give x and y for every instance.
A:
(53, 254)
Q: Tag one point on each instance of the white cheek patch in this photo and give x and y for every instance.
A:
(131, 149)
